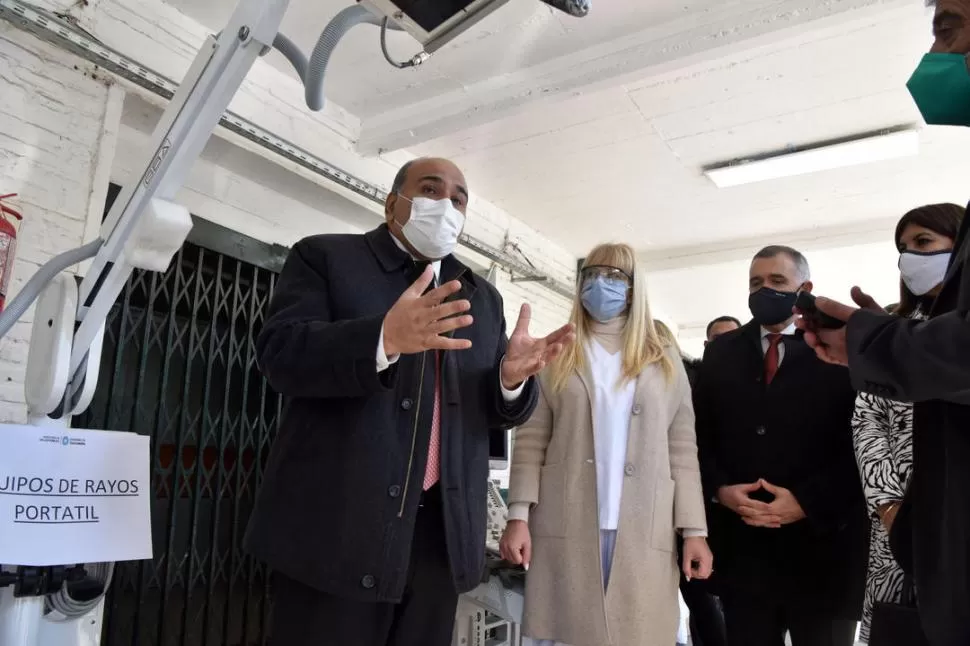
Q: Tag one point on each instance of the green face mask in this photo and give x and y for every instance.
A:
(941, 88)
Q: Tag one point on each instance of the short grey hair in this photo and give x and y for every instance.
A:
(801, 262)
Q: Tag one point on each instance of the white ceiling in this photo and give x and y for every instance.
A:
(597, 128)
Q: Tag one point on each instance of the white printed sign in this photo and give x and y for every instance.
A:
(73, 496)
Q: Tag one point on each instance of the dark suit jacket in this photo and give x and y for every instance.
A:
(342, 486)
(794, 433)
(929, 363)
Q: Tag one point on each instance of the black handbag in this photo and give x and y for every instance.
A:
(897, 624)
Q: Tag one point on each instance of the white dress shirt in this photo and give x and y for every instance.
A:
(788, 331)
(384, 362)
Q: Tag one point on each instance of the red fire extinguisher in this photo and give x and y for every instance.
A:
(8, 245)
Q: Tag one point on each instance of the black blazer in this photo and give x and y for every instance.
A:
(794, 433)
(929, 363)
(342, 486)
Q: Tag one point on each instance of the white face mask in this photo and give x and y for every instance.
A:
(434, 227)
(922, 272)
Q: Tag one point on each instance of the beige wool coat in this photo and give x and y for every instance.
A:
(553, 469)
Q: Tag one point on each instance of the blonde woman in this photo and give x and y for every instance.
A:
(605, 474)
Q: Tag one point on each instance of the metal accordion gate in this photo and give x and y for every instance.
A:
(179, 365)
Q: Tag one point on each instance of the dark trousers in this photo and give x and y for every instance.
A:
(303, 616)
(763, 622)
(706, 621)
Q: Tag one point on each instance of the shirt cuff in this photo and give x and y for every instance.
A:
(519, 511)
(383, 361)
(694, 533)
(508, 395)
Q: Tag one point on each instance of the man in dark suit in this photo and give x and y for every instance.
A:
(927, 363)
(789, 530)
(372, 511)
(717, 327)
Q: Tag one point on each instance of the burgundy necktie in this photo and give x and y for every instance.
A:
(771, 357)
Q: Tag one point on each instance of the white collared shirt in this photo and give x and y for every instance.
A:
(384, 362)
(788, 331)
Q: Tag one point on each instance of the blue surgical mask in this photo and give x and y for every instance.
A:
(604, 298)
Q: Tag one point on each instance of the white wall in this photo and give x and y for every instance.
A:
(57, 125)
(693, 296)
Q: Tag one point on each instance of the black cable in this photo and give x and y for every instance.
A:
(387, 55)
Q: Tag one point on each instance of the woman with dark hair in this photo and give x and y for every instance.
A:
(925, 237)
(882, 429)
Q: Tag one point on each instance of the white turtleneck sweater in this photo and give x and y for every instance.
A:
(612, 400)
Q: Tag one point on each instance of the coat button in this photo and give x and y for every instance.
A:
(637, 410)
(367, 582)
(407, 404)
(629, 469)
(761, 430)
(394, 491)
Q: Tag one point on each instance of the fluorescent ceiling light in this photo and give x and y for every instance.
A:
(890, 145)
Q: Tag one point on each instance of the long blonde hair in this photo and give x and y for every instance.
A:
(641, 344)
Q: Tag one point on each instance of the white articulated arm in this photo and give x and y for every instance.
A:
(136, 230)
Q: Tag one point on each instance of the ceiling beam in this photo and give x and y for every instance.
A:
(727, 28)
(867, 232)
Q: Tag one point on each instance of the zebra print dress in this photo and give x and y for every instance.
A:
(882, 432)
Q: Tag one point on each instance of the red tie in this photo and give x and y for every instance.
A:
(771, 357)
(433, 471)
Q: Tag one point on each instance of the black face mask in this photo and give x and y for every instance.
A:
(771, 307)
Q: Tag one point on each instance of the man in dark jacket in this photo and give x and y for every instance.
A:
(372, 511)
(718, 327)
(789, 534)
(927, 363)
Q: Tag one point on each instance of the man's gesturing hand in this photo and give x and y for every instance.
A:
(525, 355)
(419, 321)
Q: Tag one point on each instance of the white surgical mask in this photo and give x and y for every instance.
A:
(434, 227)
(922, 272)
